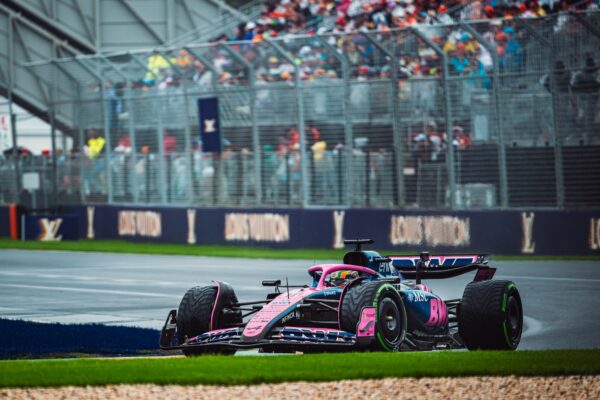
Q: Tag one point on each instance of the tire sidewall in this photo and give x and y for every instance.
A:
(483, 321)
(193, 321)
(511, 291)
(383, 292)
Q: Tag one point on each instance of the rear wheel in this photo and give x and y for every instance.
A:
(491, 316)
(194, 315)
(390, 315)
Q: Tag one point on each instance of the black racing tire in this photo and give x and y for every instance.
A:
(390, 313)
(491, 316)
(193, 318)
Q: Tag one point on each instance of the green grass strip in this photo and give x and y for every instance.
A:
(118, 246)
(224, 370)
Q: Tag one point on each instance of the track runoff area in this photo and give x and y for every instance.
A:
(138, 290)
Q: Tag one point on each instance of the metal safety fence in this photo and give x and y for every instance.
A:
(478, 114)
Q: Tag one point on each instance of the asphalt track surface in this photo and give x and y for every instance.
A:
(561, 298)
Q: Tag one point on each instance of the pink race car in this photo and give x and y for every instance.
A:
(368, 302)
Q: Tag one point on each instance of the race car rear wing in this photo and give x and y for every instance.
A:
(424, 266)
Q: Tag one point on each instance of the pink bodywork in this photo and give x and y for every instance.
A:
(282, 302)
(271, 310)
(218, 331)
(423, 287)
(438, 313)
(212, 315)
(366, 325)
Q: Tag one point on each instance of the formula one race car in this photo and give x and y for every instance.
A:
(369, 302)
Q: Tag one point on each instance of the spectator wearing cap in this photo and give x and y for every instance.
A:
(478, 77)
(123, 145)
(359, 94)
(273, 69)
(430, 144)
(250, 31)
(460, 139)
(512, 57)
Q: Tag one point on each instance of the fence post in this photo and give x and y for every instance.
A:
(13, 117)
(447, 112)
(77, 117)
(107, 146)
(398, 145)
(558, 156)
(81, 144)
(348, 139)
(186, 129)
(131, 127)
(300, 101)
(255, 133)
(52, 118)
(216, 157)
(188, 147)
(106, 122)
(497, 113)
(161, 151)
(147, 180)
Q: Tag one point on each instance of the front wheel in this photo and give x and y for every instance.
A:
(491, 316)
(196, 310)
(390, 315)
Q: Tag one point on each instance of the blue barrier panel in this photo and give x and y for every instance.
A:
(31, 339)
(503, 232)
(4, 222)
(51, 227)
(208, 120)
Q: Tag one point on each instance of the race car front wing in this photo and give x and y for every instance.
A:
(284, 338)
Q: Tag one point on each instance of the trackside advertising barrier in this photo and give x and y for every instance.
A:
(500, 232)
(10, 221)
(50, 227)
(4, 221)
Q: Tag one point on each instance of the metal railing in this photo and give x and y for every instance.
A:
(484, 114)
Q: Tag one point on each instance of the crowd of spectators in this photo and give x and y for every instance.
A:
(345, 18)
(281, 17)
(340, 22)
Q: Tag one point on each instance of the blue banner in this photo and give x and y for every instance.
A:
(208, 116)
(500, 232)
(51, 228)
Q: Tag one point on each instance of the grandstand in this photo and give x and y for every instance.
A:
(456, 108)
